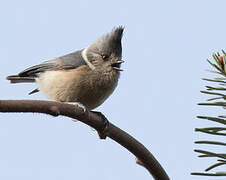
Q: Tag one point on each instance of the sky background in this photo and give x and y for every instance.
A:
(165, 47)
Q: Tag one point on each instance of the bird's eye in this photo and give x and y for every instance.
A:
(105, 57)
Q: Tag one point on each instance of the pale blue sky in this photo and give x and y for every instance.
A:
(165, 45)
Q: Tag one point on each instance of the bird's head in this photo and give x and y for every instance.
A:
(106, 52)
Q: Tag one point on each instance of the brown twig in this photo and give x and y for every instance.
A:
(56, 108)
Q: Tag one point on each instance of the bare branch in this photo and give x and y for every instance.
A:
(53, 108)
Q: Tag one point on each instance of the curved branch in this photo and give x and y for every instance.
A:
(144, 157)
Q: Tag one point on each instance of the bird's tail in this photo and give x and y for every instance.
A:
(19, 79)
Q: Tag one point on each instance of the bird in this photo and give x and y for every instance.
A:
(87, 76)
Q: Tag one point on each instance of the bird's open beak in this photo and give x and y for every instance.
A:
(117, 64)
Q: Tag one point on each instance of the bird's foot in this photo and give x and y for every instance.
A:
(103, 132)
(80, 105)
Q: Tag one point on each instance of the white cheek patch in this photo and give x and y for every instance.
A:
(86, 59)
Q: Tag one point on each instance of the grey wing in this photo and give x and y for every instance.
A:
(69, 61)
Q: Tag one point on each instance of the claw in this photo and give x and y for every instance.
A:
(103, 133)
(80, 105)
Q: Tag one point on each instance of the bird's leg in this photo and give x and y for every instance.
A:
(103, 132)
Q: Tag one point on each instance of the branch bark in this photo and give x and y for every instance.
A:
(144, 157)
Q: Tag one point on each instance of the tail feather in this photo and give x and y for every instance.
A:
(34, 91)
(19, 79)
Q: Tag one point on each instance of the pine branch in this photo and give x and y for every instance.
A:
(210, 142)
(210, 174)
(218, 93)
